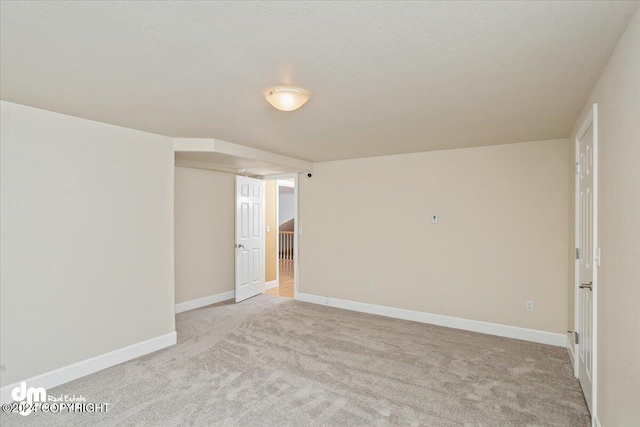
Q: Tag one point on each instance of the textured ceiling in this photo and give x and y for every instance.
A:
(385, 78)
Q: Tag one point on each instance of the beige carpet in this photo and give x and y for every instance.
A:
(273, 361)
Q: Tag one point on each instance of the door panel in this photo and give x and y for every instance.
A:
(255, 216)
(244, 221)
(244, 262)
(249, 237)
(255, 256)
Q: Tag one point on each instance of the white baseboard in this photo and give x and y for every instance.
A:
(271, 284)
(201, 302)
(94, 364)
(542, 337)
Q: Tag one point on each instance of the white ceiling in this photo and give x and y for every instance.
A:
(385, 78)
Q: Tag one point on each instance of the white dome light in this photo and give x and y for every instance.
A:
(286, 98)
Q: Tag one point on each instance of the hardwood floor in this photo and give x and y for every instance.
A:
(286, 280)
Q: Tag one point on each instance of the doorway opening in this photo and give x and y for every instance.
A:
(281, 237)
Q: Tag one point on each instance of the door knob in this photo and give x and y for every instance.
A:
(586, 286)
(239, 245)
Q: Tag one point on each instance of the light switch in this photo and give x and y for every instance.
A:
(434, 218)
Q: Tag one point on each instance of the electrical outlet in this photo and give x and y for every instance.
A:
(372, 286)
(529, 305)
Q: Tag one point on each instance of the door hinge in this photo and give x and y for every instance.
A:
(577, 253)
(576, 337)
(577, 168)
(597, 257)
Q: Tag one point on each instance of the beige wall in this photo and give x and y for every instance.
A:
(204, 233)
(86, 240)
(271, 236)
(618, 96)
(502, 237)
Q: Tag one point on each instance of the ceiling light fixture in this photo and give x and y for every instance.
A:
(286, 98)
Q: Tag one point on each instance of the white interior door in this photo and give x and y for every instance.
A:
(250, 242)
(586, 170)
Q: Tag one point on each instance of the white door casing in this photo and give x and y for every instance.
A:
(587, 256)
(250, 239)
(297, 230)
